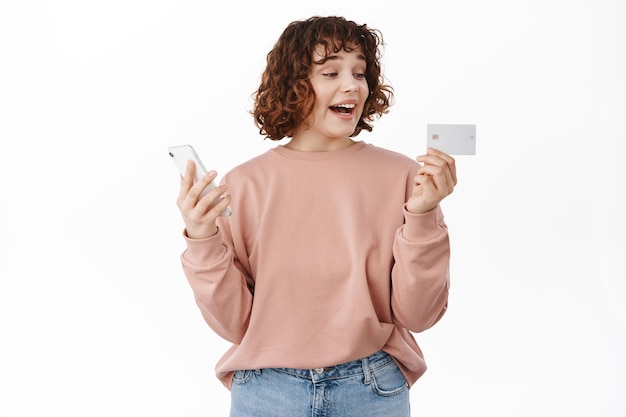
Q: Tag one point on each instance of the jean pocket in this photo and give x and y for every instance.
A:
(388, 380)
(242, 377)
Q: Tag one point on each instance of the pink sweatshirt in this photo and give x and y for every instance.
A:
(320, 263)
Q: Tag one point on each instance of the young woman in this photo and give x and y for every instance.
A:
(336, 250)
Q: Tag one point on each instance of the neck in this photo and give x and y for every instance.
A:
(298, 144)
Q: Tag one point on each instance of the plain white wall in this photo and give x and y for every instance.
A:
(96, 316)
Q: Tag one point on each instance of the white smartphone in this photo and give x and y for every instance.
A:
(180, 155)
(452, 139)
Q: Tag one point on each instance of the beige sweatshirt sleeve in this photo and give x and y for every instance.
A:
(420, 276)
(219, 286)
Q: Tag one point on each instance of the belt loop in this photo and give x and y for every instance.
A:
(366, 371)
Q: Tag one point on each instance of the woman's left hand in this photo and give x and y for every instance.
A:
(434, 181)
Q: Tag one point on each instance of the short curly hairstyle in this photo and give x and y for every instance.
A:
(285, 96)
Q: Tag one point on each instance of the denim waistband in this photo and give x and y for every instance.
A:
(356, 367)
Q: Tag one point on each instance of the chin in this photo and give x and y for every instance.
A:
(345, 131)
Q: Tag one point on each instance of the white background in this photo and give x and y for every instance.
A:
(96, 316)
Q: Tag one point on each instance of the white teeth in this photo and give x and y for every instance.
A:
(346, 106)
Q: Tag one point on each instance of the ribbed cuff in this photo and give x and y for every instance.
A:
(422, 227)
(204, 252)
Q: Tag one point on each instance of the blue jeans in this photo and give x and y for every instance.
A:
(368, 387)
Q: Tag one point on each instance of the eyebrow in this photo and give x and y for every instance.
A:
(336, 57)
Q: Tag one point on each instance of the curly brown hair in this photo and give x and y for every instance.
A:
(285, 96)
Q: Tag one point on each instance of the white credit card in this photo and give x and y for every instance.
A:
(452, 139)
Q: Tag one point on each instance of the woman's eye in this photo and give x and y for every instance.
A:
(359, 75)
(330, 74)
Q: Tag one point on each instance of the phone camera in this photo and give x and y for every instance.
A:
(171, 154)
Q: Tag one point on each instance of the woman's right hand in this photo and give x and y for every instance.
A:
(199, 214)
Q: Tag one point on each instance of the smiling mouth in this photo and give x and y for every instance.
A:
(344, 109)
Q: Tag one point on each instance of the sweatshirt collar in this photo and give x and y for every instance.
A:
(282, 150)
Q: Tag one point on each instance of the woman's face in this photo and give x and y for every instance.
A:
(341, 90)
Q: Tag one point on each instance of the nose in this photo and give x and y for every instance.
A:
(351, 88)
(350, 85)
